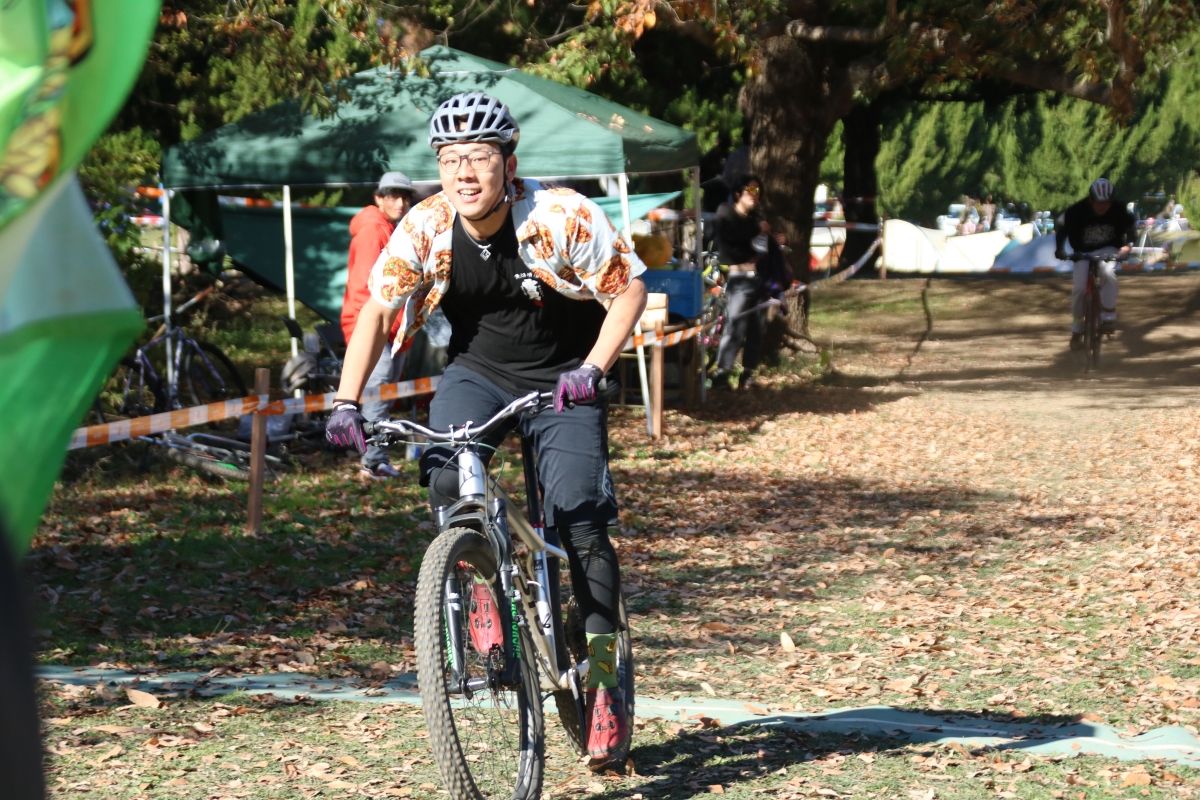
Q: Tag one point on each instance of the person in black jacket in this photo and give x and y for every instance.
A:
(1096, 224)
(741, 234)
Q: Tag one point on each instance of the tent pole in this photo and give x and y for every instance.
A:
(627, 232)
(166, 280)
(288, 263)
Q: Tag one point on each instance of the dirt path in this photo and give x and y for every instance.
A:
(969, 525)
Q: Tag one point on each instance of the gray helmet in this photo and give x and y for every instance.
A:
(1101, 190)
(486, 120)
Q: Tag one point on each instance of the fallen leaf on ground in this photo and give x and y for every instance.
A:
(116, 751)
(1135, 779)
(143, 699)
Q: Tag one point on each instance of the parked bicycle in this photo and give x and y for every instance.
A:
(714, 312)
(197, 373)
(483, 701)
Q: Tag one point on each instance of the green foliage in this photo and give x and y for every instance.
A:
(117, 164)
(835, 156)
(1042, 150)
(213, 62)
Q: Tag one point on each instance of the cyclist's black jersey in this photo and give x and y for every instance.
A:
(507, 325)
(1087, 231)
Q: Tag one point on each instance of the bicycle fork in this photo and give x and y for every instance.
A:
(473, 507)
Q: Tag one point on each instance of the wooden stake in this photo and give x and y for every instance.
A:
(258, 456)
(656, 385)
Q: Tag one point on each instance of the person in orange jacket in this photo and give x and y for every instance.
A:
(370, 230)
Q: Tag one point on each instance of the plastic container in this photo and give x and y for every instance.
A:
(684, 290)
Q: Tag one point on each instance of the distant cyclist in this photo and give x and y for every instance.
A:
(521, 272)
(1096, 224)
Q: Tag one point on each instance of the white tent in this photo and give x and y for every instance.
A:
(1035, 256)
(908, 248)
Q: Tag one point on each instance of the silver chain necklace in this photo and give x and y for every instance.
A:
(485, 250)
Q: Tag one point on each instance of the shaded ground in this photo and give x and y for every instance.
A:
(951, 519)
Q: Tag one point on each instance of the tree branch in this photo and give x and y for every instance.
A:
(1050, 79)
(691, 28)
(847, 34)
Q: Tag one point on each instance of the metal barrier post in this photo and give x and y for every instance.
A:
(258, 456)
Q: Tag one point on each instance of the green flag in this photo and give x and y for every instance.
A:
(65, 313)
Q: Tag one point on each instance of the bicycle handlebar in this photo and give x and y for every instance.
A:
(1100, 256)
(470, 432)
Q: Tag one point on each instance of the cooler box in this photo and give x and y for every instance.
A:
(684, 289)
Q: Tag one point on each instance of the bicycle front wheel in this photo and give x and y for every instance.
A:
(209, 376)
(486, 733)
(1092, 325)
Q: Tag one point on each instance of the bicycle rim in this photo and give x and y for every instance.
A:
(210, 376)
(488, 745)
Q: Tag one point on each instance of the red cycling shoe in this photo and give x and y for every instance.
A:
(607, 729)
(484, 619)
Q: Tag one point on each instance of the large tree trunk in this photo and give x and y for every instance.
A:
(861, 137)
(792, 105)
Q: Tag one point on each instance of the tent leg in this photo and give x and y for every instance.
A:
(288, 263)
(627, 232)
(646, 401)
(166, 281)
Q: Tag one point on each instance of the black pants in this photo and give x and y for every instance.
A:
(571, 449)
(742, 294)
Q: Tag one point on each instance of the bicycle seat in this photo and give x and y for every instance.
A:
(331, 335)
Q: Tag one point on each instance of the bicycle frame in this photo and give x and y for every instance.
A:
(527, 578)
(180, 343)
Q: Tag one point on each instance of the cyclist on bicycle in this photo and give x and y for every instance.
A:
(518, 270)
(1096, 224)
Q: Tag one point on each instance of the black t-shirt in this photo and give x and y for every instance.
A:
(1088, 231)
(735, 235)
(506, 324)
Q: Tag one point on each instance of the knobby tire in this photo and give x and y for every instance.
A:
(203, 386)
(210, 466)
(492, 745)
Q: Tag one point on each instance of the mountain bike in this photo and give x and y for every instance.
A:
(1092, 335)
(482, 692)
(197, 373)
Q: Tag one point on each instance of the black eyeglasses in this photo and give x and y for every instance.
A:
(480, 161)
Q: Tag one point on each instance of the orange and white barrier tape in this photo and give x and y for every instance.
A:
(227, 409)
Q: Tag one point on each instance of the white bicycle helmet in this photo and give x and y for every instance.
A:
(474, 117)
(1102, 190)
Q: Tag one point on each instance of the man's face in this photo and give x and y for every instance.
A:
(1101, 208)
(749, 196)
(476, 182)
(394, 204)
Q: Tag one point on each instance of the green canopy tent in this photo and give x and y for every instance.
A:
(381, 123)
(253, 237)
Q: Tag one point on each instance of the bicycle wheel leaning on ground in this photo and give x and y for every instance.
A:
(218, 468)
(209, 376)
(487, 739)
